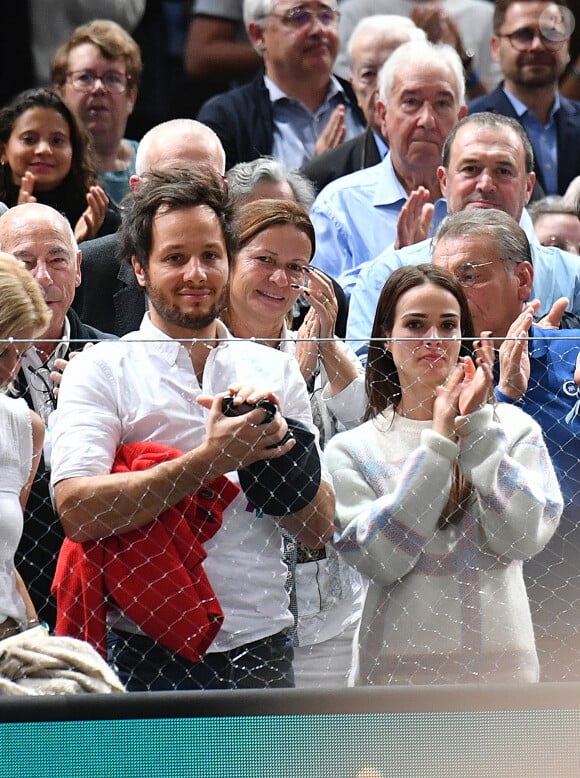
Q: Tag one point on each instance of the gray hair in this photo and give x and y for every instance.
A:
(551, 205)
(244, 177)
(509, 238)
(393, 26)
(490, 121)
(256, 10)
(422, 53)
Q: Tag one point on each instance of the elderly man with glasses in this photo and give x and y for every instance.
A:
(538, 369)
(531, 43)
(295, 108)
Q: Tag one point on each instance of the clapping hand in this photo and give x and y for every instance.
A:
(334, 133)
(92, 218)
(466, 390)
(26, 188)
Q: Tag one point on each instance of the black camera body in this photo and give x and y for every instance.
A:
(270, 410)
(229, 409)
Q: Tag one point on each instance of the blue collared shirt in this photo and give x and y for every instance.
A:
(355, 218)
(297, 128)
(556, 274)
(382, 147)
(544, 139)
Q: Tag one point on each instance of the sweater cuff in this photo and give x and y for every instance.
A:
(439, 444)
(478, 420)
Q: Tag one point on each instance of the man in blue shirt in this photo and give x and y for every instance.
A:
(295, 108)
(531, 43)
(487, 163)
(490, 256)
(421, 97)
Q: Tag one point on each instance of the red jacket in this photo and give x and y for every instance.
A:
(154, 573)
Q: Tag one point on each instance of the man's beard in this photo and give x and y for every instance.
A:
(549, 76)
(171, 314)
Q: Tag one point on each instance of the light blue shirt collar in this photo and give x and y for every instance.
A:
(277, 94)
(521, 108)
(381, 145)
(389, 189)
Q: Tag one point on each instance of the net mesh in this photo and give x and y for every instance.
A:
(314, 596)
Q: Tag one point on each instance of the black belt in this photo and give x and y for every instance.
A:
(305, 554)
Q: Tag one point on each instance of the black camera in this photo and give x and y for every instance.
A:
(270, 410)
(230, 409)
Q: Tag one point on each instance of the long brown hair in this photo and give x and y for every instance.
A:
(382, 378)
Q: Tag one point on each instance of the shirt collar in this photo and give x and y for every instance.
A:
(32, 357)
(167, 346)
(389, 189)
(521, 108)
(381, 145)
(277, 94)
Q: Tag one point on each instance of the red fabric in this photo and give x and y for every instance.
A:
(154, 573)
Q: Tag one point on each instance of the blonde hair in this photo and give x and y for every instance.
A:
(22, 304)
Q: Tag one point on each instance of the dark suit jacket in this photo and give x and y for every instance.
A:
(355, 154)
(109, 296)
(42, 535)
(244, 122)
(567, 127)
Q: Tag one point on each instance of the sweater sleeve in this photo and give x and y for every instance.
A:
(504, 456)
(387, 512)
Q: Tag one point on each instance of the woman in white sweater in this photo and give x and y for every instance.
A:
(441, 495)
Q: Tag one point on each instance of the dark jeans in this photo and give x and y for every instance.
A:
(145, 665)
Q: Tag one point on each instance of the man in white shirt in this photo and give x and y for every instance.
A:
(165, 384)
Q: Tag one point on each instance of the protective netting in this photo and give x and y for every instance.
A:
(280, 596)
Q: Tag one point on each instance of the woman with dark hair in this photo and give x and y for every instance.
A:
(270, 269)
(46, 156)
(440, 497)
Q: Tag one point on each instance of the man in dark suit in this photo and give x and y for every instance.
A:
(109, 296)
(295, 108)
(42, 238)
(372, 42)
(531, 43)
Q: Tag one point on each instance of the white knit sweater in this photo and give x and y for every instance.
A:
(444, 605)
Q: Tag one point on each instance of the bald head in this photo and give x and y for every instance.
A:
(174, 142)
(43, 239)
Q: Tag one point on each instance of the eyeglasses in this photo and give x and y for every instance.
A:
(467, 274)
(301, 17)
(523, 38)
(40, 381)
(85, 80)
